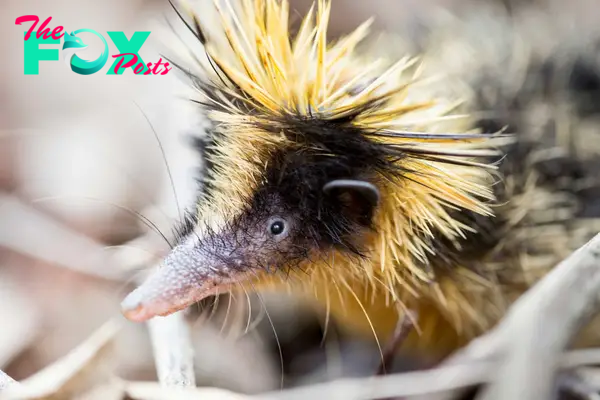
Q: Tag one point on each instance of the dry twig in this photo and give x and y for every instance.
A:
(6, 381)
(83, 368)
(154, 391)
(173, 351)
(543, 322)
(417, 383)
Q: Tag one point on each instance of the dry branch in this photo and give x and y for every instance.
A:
(6, 381)
(487, 348)
(542, 323)
(153, 391)
(399, 385)
(87, 365)
(173, 351)
(441, 382)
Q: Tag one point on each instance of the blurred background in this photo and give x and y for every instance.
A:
(92, 168)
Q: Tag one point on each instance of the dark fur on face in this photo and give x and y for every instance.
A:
(290, 218)
(292, 193)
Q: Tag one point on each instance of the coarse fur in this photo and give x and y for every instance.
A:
(290, 117)
(533, 69)
(452, 237)
(355, 135)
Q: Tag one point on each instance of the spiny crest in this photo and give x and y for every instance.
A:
(260, 77)
(264, 69)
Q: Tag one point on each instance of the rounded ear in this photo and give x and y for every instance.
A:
(358, 199)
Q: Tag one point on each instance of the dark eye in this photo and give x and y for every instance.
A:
(277, 227)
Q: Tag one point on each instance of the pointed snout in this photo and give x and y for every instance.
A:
(133, 309)
(185, 277)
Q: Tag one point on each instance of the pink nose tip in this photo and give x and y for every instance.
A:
(133, 309)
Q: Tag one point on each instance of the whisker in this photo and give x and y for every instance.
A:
(214, 305)
(256, 320)
(274, 333)
(166, 162)
(201, 38)
(249, 308)
(360, 304)
(226, 316)
(134, 278)
(126, 246)
(327, 316)
(134, 213)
